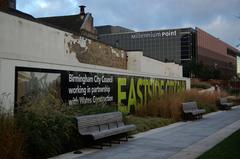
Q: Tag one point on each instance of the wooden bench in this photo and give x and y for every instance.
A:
(99, 126)
(223, 104)
(191, 111)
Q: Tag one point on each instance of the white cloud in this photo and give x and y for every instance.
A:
(216, 17)
(42, 4)
(41, 8)
(226, 29)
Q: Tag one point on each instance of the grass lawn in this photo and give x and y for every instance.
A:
(227, 149)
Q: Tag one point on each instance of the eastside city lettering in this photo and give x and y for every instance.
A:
(133, 93)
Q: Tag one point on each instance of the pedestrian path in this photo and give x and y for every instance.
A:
(183, 140)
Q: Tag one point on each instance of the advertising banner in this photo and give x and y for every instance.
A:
(86, 88)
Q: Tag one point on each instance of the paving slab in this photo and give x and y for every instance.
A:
(183, 140)
(207, 143)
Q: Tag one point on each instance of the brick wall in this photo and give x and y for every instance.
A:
(96, 53)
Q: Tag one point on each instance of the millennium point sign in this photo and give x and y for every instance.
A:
(154, 34)
(82, 88)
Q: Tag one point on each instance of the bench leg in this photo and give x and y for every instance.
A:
(106, 144)
(184, 117)
(125, 138)
(99, 146)
(115, 142)
(193, 117)
(93, 144)
(188, 117)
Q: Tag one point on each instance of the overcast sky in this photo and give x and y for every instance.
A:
(218, 17)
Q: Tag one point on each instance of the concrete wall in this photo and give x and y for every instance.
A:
(27, 40)
(138, 62)
(7, 75)
(24, 43)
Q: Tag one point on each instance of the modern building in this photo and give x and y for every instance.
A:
(214, 52)
(185, 46)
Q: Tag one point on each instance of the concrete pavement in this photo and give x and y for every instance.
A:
(183, 140)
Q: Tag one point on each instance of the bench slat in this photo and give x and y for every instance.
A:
(191, 110)
(223, 104)
(112, 132)
(102, 125)
(189, 106)
(98, 119)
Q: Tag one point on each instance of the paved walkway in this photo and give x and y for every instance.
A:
(183, 140)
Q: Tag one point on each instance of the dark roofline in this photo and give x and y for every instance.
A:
(228, 45)
(29, 17)
(57, 16)
(99, 26)
(135, 32)
(134, 50)
(18, 13)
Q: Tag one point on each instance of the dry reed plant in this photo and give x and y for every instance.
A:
(170, 105)
(11, 138)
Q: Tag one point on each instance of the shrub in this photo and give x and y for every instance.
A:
(47, 130)
(234, 99)
(49, 126)
(208, 107)
(234, 91)
(147, 123)
(202, 85)
(89, 109)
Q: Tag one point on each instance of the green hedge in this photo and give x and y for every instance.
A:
(147, 123)
(202, 85)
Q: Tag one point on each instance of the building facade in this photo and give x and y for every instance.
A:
(216, 53)
(164, 45)
(186, 46)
